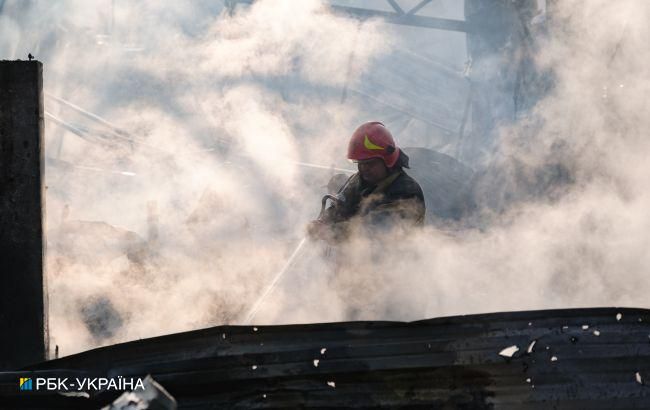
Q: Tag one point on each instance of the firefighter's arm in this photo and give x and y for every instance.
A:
(331, 233)
(409, 211)
(331, 226)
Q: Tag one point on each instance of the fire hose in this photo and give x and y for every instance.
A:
(337, 199)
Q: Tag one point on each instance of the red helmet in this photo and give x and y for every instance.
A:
(373, 140)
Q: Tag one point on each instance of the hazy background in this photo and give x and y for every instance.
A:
(225, 125)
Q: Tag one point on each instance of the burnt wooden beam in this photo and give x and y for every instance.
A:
(23, 307)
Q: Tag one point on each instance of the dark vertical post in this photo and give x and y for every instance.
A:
(23, 307)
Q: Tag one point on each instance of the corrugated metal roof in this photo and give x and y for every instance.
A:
(570, 359)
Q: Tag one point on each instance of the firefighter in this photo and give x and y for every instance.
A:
(381, 196)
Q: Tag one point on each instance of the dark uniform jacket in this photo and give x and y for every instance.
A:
(397, 200)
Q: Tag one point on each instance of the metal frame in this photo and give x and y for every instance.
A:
(398, 16)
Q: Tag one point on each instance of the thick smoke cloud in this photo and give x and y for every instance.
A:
(179, 218)
(182, 222)
(583, 242)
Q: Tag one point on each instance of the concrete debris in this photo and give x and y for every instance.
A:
(509, 351)
(75, 394)
(153, 397)
(531, 346)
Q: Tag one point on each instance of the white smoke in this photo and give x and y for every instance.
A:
(221, 109)
(181, 222)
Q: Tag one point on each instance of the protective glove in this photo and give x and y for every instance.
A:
(318, 229)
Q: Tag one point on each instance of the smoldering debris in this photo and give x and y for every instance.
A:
(101, 318)
(509, 180)
(82, 241)
(446, 183)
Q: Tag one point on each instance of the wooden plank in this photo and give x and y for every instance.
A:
(23, 318)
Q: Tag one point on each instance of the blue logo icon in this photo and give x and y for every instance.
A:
(25, 383)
